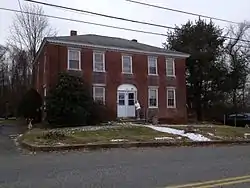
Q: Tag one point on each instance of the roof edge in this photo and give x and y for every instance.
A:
(184, 55)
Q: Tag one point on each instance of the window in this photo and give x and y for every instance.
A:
(153, 97)
(170, 67)
(45, 62)
(98, 62)
(152, 65)
(99, 94)
(171, 98)
(74, 59)
(127, 64)
(44, 95)
(38, 74)
(44, 91)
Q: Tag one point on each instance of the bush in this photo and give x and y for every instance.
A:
(30, 106)
(70, 103)
(99, 113)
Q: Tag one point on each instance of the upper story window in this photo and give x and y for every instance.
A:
(170, 67)
(127, 64)
(152, 65)
(171, 98)
(74, 59)
(152, 97)
(98, 62)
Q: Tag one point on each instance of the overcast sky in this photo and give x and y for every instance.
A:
(227, 9)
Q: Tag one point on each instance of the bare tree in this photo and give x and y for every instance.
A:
(238, 56)
(29, 29)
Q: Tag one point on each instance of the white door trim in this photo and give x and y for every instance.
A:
(123, 107)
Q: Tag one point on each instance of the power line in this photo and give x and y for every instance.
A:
(120, 18)
(181, 11)
(91, 23)
(102, 15)
(80, 21)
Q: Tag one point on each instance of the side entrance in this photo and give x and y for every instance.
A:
(126, 97)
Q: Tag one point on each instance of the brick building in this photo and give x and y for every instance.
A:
(120, 71)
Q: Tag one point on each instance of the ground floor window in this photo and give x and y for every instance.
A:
(99, 94)
(153, 97)
(171, 98)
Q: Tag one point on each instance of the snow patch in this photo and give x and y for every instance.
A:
(118, 140)
(191, 136)
(163, 138)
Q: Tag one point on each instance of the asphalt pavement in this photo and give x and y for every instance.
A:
(122, 168)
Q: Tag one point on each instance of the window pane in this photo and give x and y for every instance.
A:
(152, 97)
(152, 70)
(74, 64)
(127, 64)
(99, 94)
(170, 67)
(152, 102)
(131, 96)
(99, 91)
(131, 102)
(98, 61)
(121, 99)
(121, 96)
(73, 55)
(171, 97)
(152, 64)
(152, 61)
(170, 94)
(170, 102)
(74, 58)
(121, 102)
(98, 57)
(152, 93)
(99, 66)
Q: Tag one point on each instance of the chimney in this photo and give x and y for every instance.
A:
(134, 40)
(73, 33)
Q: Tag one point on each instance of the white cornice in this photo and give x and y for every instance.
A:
(118, 49)
(111, 48)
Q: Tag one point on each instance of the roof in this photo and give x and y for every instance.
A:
(105, 41)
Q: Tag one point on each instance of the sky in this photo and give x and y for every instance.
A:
(225, 9)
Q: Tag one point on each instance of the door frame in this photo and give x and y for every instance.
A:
(125, 88)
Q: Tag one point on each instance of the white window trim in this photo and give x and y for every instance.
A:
(156, 62)
(103, 58)
(157, 96)
(173, 89)
(104, 91)
(131, 63)
(79, 51)
(173, 63)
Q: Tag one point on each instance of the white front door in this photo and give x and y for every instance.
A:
(126, 103)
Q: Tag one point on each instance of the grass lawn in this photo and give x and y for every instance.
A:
(42, 137)
(220, 132)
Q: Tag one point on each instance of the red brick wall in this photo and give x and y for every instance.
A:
(57, 62)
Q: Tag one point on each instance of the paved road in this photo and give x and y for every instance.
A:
(122, 168)
(7, 135)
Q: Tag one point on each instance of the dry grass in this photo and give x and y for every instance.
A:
(130, 134)
(220, 132)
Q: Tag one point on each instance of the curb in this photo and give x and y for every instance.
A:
(32, 147)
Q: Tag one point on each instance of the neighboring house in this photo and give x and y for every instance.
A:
(120, 72)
